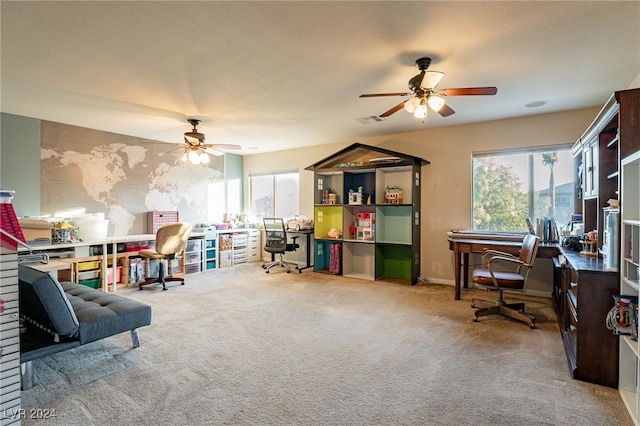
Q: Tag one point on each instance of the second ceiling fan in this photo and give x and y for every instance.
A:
(423, 89)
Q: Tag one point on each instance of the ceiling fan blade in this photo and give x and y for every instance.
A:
(181, 148)
(468, 91)
(446, 110)
(372, 95)
(222, 146)
(213, 151)
(393, 110)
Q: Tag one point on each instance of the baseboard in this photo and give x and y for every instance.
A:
(535, 293)
(440, 281)
(539, 293)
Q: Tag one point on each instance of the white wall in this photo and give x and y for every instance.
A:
(446, 189)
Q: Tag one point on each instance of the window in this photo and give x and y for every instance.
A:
(509, 187)
(216, 201)
(273, 195)
(224, 199)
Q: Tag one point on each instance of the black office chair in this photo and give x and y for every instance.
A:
(491, 278)
(277, 243)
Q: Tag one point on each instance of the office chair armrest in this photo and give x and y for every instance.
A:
(293, 244)
(488, 253)
(491, 252)
(513, 260)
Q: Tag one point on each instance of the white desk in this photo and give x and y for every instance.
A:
(52, 267)
(71, 251)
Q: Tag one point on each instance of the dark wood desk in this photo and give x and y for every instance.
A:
(465, 244)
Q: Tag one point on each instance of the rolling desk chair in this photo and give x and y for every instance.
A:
(515, 281)
(171, 240)
(276, 243)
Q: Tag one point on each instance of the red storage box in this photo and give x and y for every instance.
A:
(136, 246)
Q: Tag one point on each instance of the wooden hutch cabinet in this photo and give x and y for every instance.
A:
(582, 296)
(367, 214)
(584, 286)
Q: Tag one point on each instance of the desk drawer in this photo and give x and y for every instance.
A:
(253, 257)
(466, 248)
(193, 269)
(194, 245)
(239, 254)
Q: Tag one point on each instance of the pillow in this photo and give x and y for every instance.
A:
(43, 301)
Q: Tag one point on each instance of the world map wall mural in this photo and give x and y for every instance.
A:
(123, 177)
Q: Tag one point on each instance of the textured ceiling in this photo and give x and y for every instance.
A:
(278, 75)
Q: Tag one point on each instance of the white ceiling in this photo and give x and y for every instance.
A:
(278, 75)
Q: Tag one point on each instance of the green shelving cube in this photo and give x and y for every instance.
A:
(393, 262)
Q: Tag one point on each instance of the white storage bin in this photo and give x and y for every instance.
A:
(87, 275)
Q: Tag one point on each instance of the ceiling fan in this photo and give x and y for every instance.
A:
(423, 89)
(196, 150)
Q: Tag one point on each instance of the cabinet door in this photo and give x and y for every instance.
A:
(591, 169)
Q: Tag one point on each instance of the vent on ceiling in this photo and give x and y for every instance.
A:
(369, 119)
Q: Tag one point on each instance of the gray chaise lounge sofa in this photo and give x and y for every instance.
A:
(60, 316)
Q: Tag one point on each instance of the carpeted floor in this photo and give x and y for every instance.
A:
(238, 346)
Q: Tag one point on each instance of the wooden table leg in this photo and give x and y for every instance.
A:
(457, 256)
(466, 270)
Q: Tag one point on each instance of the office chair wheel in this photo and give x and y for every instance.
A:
(475, 319)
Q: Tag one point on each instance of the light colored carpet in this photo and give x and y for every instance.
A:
(238, 346)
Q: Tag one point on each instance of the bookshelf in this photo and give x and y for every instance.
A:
(629, 279)
(367, 214)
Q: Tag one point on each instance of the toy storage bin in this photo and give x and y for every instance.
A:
(89, 275)
(85, 266)
(194, 268)
(118, 274)
(93, 283)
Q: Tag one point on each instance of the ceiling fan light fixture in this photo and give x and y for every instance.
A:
(435, 102)
(421, 110)
(411, 105)
(194, 158)
(204, 158)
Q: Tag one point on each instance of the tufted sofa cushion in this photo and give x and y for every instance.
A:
(104, 314)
